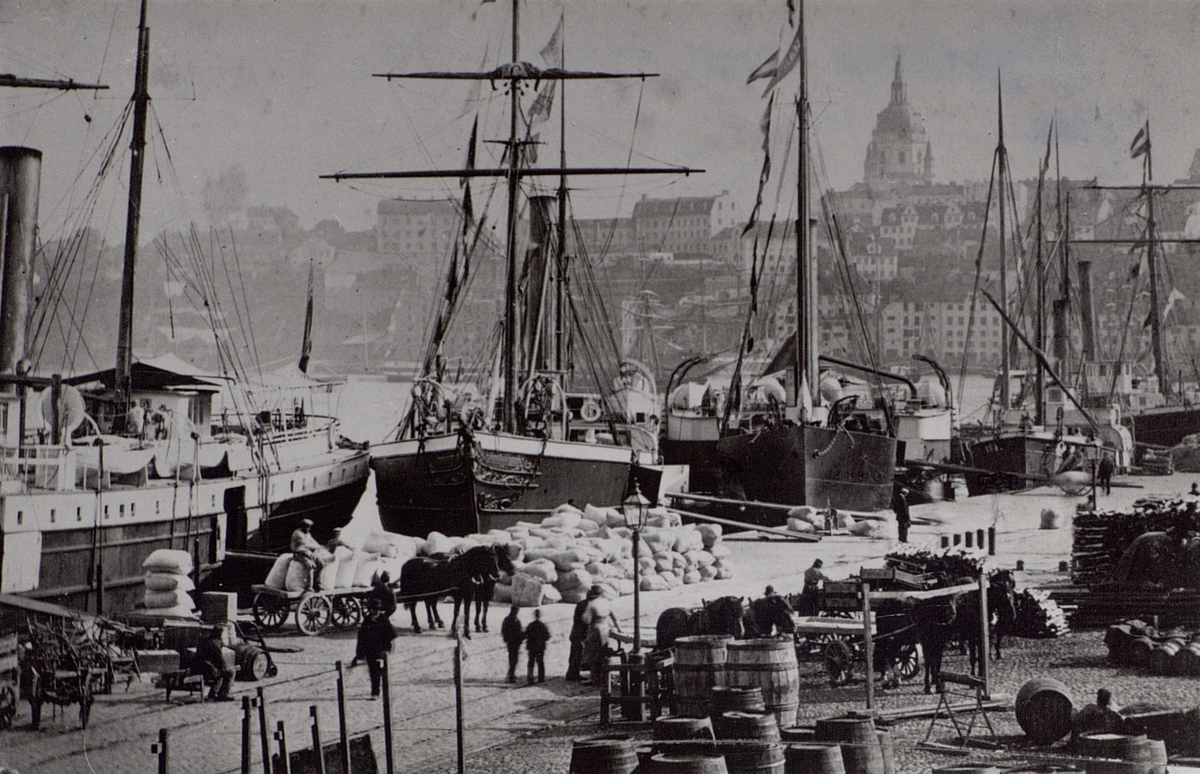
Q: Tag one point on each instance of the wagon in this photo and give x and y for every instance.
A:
(316, 611)
(838, 643)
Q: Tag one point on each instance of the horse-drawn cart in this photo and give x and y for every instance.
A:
(838, 643)
(316, 611)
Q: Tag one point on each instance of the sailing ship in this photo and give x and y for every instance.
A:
(471, 455)
(789, 438)
(139, 457)
(1018, 448)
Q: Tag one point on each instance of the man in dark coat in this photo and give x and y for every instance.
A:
(536, 637)
(210, 659)
(375, 634)
(1104, 474)
(579, 631)
(513, 633)
(900, 506)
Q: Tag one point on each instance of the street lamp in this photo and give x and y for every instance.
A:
(634, 508)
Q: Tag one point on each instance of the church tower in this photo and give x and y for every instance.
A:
(899, 151)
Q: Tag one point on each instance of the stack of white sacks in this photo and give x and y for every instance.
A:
(347, 567)
(570, 550)
(167, 582)
(805, 518)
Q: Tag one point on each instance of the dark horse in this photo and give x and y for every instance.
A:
(427, 579)
(727, 615)
(942, 620)
(772, 615)
(483, 600)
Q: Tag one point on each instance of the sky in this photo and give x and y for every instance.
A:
(284, 91)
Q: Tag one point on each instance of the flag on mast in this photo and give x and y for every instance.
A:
(1141, 141)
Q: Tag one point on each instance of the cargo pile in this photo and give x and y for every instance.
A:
(947, 563)
(570, 550)
(347, 567)
(1101, 537)
(1138, 645)
(807, 519)
(1039, 616)
(167, 584)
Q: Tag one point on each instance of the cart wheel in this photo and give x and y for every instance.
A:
(270, 611)
(314, 614)
(839, 662)
(254, 664)
(85, 703)
(908, 662)
(8, 706)
(347, 612)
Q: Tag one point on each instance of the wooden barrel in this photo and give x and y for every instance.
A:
(1043, 709)
(684, 736)
(603, 755)
(759, 726)
(1117, 639)
(748, 757)
(737, 699)
(1140, 648)
(967, 770)
(798, 735)
(1123, 753)
(644, 753)
(687, 764)
(699, 667)
(813, 759)
(769, 664)
(1187, 660)
(1162, 658)
(888, 751)
(860, 744)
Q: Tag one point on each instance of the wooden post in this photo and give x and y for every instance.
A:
(344, 744)
(984, 621)
(869, 646)
(162, 749)
(246, 735)
(261, 702)
(285, 766)
(387, 720)
(458, 701)
(316, 737)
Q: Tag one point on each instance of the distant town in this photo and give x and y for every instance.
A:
(676, 274)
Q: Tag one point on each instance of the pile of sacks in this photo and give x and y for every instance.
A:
(570, 550)
(805, 518)
(167, 582)
(348, 566)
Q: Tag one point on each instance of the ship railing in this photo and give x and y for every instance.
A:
(37, 467)
(316, 426)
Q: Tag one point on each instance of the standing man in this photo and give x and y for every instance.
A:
(600, 621)
(375, 634)
(306, 549)
(512, 633)
(210, 658)
(579, 631)
(536, 637)
(1105, 473)
(810, 596)
(900, 506)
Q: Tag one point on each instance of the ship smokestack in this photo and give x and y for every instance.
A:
(20, 178)
(1085, 311)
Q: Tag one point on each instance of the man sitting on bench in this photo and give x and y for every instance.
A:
(210, 663)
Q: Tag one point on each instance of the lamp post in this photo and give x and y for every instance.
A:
(634, 508)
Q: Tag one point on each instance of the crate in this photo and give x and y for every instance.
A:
(218, 607)
(894, 575)
(842, 595)
(158, 661)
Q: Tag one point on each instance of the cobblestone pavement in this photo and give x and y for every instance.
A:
(206, 738)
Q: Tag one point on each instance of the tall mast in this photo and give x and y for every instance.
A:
(806, 276)
(1160, 357)
(1002, 160)
(508, 364)
(1039, 385)
(137, 147)
(560, 263)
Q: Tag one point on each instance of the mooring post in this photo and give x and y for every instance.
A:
(984, 617)
(344, 744)
(260, 701)
(389, 754)
(316, 737)
(868, 644)
(162, 749)
(246, 735)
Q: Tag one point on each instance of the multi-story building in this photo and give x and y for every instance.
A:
(899, 150)
(684, 226)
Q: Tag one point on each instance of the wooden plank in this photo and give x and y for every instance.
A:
(756, 504)
(949, 591)
(999, 702)
(803, 537)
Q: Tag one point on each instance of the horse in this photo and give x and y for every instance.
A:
(726, 615)
(772, 615)
(942, 620)
(483, 600)
(426, 579)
